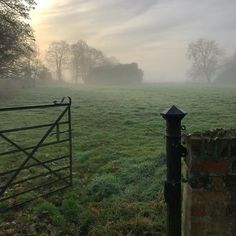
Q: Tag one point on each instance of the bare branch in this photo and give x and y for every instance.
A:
(205, 55)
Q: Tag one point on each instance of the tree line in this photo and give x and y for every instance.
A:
(19, 55)
(17, 39)
(79, 59)
(116, 75)
(89, 65)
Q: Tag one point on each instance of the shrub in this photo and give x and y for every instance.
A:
(47, 209)
(87, 220)
(103, 186)
(70, 209)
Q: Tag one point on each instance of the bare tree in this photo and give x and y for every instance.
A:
(85, 58)
(205, 55)
(79, 58)
(57, 55)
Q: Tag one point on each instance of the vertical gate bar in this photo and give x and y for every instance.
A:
(173, 117)
(58, 132)
(70, 140)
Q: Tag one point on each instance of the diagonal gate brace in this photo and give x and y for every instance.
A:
(34, 158)
(31, 154)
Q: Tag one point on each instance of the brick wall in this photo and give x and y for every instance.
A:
(209, 191)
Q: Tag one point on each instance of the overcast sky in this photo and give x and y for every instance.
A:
(153, 33)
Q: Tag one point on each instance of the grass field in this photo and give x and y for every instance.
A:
(118, 156)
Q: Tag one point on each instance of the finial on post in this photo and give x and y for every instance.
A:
(173, 112)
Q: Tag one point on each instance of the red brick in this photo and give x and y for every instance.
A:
(208, 228)
(198, 210)
(198, 226)
(204, 197)
(210, 148)
(196, 147)
(210, 166)
(217, 210)
(218, 182)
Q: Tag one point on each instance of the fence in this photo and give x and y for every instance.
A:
(31, 171)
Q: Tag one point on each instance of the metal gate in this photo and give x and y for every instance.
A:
(31, 171)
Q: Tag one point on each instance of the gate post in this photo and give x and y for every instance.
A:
(174, 152)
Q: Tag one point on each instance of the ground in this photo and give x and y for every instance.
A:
(118, 156)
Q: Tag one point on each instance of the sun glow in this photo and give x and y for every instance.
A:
(42, 4)
(41, 8)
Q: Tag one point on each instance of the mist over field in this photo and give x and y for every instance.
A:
(155, 34)
(82, 86)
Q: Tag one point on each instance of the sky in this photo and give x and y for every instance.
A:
(153, 33)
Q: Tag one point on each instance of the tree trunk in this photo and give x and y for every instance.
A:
(59, 74)
(208, 79)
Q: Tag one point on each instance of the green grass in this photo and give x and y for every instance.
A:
(118, 160)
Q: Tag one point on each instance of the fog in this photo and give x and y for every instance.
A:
(84, 88)
(154, 33)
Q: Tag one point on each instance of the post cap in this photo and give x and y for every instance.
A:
(173, 112)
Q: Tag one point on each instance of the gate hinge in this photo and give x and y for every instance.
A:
(182, 150)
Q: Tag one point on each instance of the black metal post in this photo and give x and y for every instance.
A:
(173, 117)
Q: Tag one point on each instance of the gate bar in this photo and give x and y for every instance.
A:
(17, 205)
(31, 127)
(36, 176)
(32, 147)
(34, 165)
(35, 188)
(34, 107)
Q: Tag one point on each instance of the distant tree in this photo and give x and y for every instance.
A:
(205, 56)
(34, 69)
(30, 68)
(85, 58)
(79, 58)
(120, 74)
(112, 61)
(227, 75)
(57, 56)
(16, 35)
(97, 58)
(44, 73)
(30, 65)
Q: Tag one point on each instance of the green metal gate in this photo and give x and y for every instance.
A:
(40, 169)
